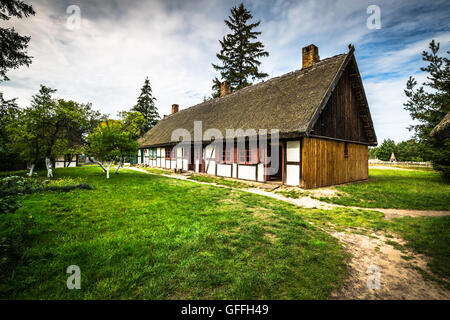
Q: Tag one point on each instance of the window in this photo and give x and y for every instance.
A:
(153, 153)
(247, 155)
(346, 150)
(226, 154)
(168, 152)
(242, 152)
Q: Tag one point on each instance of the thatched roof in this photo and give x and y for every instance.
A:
(288, 103)
(442, 130)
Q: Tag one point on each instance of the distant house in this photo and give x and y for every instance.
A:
(62, 162)
(321, 112)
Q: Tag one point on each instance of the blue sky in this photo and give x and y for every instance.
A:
(119, 43)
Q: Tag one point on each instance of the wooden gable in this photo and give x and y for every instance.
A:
(346, 115)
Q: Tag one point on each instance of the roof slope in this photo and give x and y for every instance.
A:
(287, 103)
(442, 130)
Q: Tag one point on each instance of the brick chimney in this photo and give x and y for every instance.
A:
(310, 55)
(174, 108)
(225, 88)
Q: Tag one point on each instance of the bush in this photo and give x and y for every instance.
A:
(14, 240)
(14, 186)
(67, 188)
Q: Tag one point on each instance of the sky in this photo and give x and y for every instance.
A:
(100, 51)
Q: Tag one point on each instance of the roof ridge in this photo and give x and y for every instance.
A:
(243, 90)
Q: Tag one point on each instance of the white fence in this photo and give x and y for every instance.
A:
(400, 163)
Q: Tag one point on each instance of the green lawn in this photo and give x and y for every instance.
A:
(220, 181)
(399, 189)
(146, 236)
(140, 236)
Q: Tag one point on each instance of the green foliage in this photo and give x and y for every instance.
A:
(16, 185)
(9, 111)
(133, 123)
(400, 189)
(384, 151)
(146, 106)
(428, 107)
(114, 139)
(12, 187)
(12, 44)
(14, 237)
(410, 150)
(372, 151)
(51, 128)
(240, 52)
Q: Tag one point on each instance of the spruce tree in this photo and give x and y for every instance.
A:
(12, 44)
(428, 107)
(240, 52)
(146, 106)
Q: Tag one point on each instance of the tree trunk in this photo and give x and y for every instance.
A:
(48, 165)
(119, 165)
(101, 165)
(69, 161)
(107, 170)
(31, 167)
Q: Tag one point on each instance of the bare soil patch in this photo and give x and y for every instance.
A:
(397, 279)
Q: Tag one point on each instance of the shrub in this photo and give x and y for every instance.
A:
(14, 186)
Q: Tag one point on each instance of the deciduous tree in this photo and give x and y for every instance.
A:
(112, 140)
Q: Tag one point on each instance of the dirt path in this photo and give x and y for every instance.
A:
(370, 256)
(308, 202)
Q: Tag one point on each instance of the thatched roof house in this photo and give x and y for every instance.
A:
(442, 130)
(318, 110)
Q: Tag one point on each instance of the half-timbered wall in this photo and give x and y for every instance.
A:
(324, 162)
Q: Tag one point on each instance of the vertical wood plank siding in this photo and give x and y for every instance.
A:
(324, 164)
(341, 117)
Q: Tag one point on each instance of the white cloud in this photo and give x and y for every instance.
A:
(386, 99)
(175, 42)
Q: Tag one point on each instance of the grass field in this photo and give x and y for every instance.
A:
(145, 236)
(399, 189)
(140, 236)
